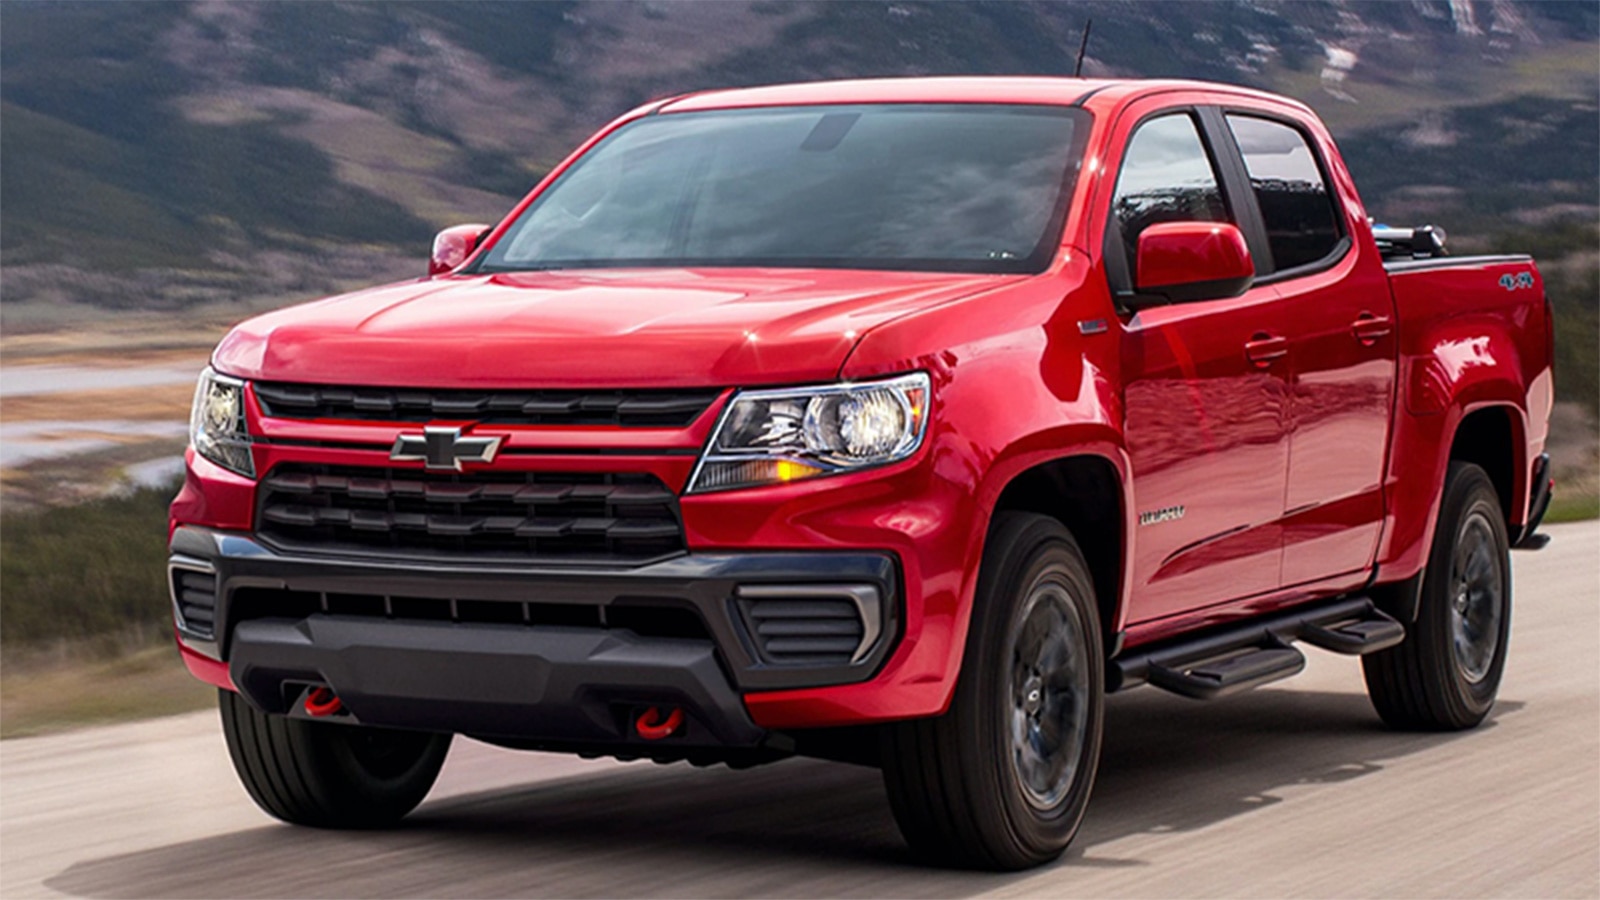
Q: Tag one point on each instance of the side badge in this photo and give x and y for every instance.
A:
(1164, 514)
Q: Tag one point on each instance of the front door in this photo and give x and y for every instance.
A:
(1205, 398)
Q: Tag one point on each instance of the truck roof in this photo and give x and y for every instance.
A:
(946, 89)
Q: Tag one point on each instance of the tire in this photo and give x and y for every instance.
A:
(1001, 780)
(329, 775)
(1444, 676)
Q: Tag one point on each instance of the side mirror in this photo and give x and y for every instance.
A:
(1184, 261)
(452, 246)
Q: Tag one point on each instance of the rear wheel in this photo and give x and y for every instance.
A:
(329, 775)
(1001, 780)
(1446, 673)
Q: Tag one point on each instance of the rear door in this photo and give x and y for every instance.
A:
(1338, 313)
(1205, 392)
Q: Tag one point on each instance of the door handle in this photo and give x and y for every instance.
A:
(1368, 328)
(1263, 348)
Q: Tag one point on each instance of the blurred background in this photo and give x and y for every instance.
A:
(169, 169)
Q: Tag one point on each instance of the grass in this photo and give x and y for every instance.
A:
(86, 618)
(85, 572)
(43, 695)
(1573, 506)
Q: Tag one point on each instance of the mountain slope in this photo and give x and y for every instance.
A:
(217, 150)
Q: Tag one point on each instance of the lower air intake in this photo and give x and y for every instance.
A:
(811, 625)
(194, 596)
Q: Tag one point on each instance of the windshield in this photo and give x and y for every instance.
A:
(956, 187)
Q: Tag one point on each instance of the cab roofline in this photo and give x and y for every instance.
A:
(1041, 90)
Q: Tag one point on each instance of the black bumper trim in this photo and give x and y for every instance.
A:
(707, 583)
(1530, 539)
(569, 684)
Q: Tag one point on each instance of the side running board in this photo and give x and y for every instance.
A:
(1235, 658)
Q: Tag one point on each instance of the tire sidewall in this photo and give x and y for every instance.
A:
(1468, 490)
(1033, 553)
(415, 755)
(387, 795)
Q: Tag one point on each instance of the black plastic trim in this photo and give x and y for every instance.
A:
(1310, 623)
(1530, 539)
(568, 684)
(705, 583)
(1235, 177)
(1408, 266)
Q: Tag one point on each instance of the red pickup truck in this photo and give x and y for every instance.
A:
(895, 422)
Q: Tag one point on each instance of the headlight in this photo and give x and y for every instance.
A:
(777, 436)
(216, 426)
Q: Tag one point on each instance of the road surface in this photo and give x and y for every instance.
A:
(1292, 790)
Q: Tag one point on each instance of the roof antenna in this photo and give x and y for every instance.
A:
(1077, 70)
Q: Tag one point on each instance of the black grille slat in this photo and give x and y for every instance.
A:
(803, 609)
(812, 628)
(291, 514)
(545, 527)
(787, 646)
(197, 600)
(626, 408)
(554, 406)
(531, 517)
(656, 406)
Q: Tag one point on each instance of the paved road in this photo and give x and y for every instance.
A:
(1293, 790)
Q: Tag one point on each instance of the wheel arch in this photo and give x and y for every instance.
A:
(1491, 437)
(1087, 494)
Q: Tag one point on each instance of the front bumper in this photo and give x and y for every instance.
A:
(529, 653)
(570, 685)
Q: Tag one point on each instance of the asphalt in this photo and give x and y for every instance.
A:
(1292, 790)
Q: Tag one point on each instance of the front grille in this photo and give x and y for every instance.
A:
(629, 409)
(642, 616)
(530, 517)
(814, 625)
(195, 594)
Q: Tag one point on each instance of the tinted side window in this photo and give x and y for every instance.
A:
(1166, 177)
(1301, 220)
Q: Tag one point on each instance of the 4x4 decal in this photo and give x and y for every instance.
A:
(1516, 281)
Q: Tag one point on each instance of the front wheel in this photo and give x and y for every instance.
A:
(325, 774)
(1001, 780)
(1444, 676)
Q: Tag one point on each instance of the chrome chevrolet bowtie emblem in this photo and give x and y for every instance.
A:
(443, 448)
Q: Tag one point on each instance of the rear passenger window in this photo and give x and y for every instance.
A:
(1166, 177)
(1301, 221)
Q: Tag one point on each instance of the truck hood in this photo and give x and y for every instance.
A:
(587, 328)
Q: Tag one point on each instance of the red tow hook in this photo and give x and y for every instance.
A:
(322, 701)
(652, 725)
